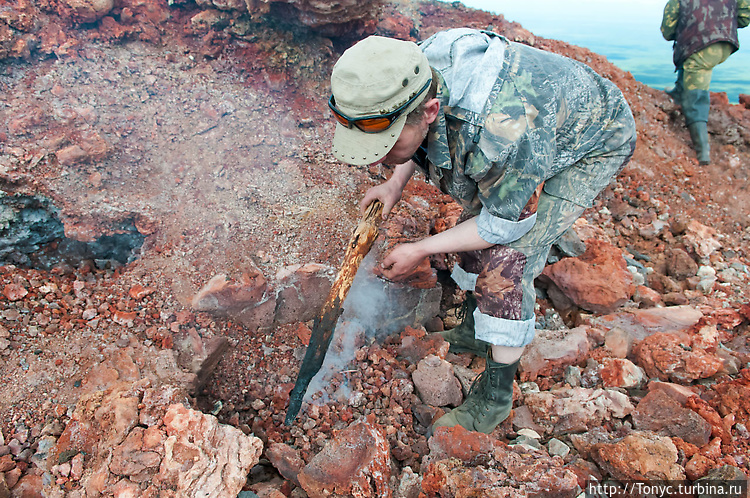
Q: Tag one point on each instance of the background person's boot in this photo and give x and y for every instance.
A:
(461, 337)
(489, 402)
(676, 92)
(695, 107)
(699, 135)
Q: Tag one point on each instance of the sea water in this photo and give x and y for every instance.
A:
(626, 32)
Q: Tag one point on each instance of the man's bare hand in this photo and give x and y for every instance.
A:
(402, 261)
(389, 193)
(386, 193)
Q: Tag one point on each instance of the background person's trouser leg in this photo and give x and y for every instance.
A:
(697, 69)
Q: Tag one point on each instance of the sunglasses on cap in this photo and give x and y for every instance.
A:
(378, 123)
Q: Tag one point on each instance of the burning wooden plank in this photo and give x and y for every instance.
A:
(325, 323)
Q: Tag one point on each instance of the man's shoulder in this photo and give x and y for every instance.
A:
(469, 61)
(450, 35)
(457, 40)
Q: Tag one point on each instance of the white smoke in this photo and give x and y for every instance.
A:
(373, 309)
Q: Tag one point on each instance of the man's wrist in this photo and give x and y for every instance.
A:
(423, 247)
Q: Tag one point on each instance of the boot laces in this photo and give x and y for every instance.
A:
(476, 405)
(478, 383)
(463, 311)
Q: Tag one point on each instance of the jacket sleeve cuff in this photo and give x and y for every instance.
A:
(501, 231)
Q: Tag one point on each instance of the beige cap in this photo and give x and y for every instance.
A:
(375, 76)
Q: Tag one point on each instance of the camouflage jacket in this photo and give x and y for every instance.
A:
(696, 24)
(508, 125)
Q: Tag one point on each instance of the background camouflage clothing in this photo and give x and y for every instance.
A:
(697, 24)
(697, 69)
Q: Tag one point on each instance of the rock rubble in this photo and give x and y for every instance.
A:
(203, 126)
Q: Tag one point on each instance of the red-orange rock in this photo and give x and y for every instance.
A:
(155, 403)
(669, 357)
(679, 264)
(563, 411)
(28, 486)
(646, 297)
(281, 395)
(357, 462)
(472, 448)
(712, 417)
(129, 458)
(83, 230)
(416, 347)
(434, 478)
(598, 280)
(251, 300)
(701, 239)
(640, 323)
(13, 476)
(684, 447)
(101, 420)
(677, 392)
(436, 383)
(396, 26)
(618, 342)
(14, 292)
(711, 450)
(126, 318)
(621, 372)
(85, 11)
(698, 466)
(139, 292)
(286, 460)
(552, 351)
(639, 456)
(517, 473)
(660, 413)
(734, 397)
(72, 154)
(96, 147)
(200, 454)
(6, 463)
(224, 294)
(304, 333)
(585, 471)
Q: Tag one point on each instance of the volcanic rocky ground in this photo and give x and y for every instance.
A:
(172, 222)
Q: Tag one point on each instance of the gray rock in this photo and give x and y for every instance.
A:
(557, 447)
(435, 382)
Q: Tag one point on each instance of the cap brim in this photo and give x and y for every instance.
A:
(352, 146)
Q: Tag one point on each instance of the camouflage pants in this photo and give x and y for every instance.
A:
(695, 73)
(502, 276)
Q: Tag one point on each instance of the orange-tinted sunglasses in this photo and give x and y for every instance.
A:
(378, 123)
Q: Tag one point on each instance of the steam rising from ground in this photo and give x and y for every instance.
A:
(373, 309)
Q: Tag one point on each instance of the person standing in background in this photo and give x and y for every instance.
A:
(705, 35)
